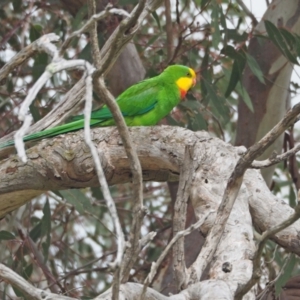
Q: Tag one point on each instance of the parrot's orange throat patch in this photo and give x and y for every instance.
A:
(182, 93)
(185, 83)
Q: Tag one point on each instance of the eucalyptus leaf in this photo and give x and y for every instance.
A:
(6, 235)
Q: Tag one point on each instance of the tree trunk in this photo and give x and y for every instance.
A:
(270, 100)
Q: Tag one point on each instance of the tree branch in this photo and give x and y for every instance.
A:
(26, 288)
(275, 159)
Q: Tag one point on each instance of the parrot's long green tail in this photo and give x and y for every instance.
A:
(72, 126)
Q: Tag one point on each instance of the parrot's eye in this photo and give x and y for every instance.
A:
(188, 74)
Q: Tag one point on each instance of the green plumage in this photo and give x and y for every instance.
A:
(143, 104)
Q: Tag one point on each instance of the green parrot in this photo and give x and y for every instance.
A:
(142, 104)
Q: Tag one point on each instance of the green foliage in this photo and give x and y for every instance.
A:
(78, 199)
(287, 42)
(6, 235)
(156, 18)
(287, 273)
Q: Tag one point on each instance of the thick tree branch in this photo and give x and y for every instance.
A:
(232, 189)
(64, 162)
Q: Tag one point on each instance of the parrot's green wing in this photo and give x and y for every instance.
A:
(136, 100)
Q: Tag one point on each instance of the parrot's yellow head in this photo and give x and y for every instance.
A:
(186, 82)
(183, 76)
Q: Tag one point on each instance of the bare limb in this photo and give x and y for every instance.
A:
(67, 106)
(128, 28)
(82, 268)
(106, 193)
(123, 33)
(275, 159)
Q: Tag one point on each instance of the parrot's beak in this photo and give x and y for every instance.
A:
(194, 82)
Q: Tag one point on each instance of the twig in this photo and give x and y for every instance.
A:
(67, 106)
(109, 201)
(54, 287)
(138, 209)
(248, 12)
(123, 30)
(27, 52)
(131, 253)
(57, 65)
(289, 141)
(155, 265)
(102, 65)
(80, 269)
(124, 33)
(18, 137)
(233, 186)
(90, 22)
(27, 289)
(272, 282)
(275, 159)
(32, 94)
(146, 239)
(169, 30)
(106, 193)
(256, 274)
(134, 163)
